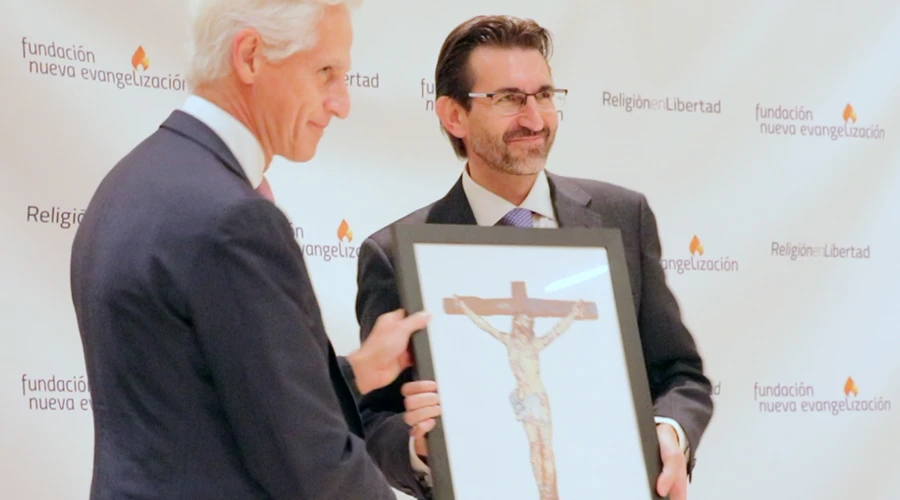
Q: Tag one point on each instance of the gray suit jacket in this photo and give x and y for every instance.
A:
(210, 372)
(678, 386)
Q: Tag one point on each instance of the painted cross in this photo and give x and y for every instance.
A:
(520, 303)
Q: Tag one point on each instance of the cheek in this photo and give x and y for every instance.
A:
(280, 107)
(300, 115)
(489, 130)
(298, 99)
(551, 120)
(306, 109)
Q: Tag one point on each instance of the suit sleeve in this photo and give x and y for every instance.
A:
(268, 358)
(350, 377)
(679, 388)
(387, 435)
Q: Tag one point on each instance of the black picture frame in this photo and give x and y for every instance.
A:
(407, 236)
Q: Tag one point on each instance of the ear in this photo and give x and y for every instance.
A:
(246, 55)
(453, 117)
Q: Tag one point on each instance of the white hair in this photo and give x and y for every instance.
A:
(286, 27)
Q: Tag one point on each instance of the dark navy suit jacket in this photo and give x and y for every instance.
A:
(678, 385)
(210, 371)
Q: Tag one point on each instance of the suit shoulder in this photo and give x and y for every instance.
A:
(384, 238)
(169, 190)
(606, 193)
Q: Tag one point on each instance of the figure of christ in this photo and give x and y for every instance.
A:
(529, 400)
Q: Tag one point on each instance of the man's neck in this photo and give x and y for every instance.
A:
(229, 100)
(512, 188)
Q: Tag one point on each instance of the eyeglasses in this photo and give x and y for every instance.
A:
(510, 103)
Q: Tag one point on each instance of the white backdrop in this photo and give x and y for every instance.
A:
(741, 179)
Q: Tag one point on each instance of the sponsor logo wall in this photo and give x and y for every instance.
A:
(56, 60)
(773, 182)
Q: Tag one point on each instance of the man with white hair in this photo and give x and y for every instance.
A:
(210, 371)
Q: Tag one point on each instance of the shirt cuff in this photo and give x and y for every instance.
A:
(417, 464)
(682, 438)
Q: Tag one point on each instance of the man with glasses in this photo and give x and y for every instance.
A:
(498, 105)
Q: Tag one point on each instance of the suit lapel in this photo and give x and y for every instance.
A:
(572, 204)
(453, 208)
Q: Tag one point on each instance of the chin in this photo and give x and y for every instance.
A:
(302, 155)
(530, 166)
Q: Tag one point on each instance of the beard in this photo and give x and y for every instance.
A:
(517, 160)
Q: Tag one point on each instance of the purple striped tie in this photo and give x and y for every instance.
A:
(517, 217)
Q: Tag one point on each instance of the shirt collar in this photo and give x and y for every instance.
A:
(240, 141)
(488, 208)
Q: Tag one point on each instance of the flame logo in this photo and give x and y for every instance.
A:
(849, 113)
(850, 386)
(344, 231)
(696, 247)
(140, 59)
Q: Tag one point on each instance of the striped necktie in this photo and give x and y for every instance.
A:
(517, 217)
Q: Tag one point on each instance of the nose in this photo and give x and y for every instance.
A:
(339, 102)
(530, 117)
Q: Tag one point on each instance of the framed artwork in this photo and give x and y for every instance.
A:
(535, 348)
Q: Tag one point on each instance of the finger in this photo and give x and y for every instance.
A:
(390, 318)
(423, 428)
(418, 386)
(668, 475)
(417, 321)
(673, 465)
(417, 401)
(679, 489)
(418, 415)
(666, 480)
(393, 316)
(403, 329)
(414, 417)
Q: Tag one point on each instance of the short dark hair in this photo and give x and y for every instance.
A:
(452, 75)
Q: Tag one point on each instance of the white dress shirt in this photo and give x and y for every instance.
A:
(240, 141)
(488, 209)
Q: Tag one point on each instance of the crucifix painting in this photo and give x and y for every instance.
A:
(530, 402)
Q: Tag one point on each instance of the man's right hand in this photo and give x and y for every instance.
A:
(422, 407)
(385, 353)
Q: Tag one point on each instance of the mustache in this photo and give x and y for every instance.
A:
(524, 132)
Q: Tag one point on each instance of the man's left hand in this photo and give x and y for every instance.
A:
(673, 479)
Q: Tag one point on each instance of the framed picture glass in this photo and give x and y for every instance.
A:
(534, 346)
